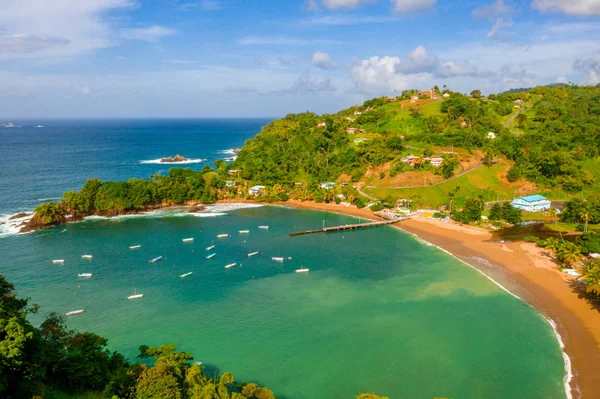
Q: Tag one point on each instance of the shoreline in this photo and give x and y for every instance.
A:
(525, 269)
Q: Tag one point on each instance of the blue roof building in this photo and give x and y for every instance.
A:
(532, 203)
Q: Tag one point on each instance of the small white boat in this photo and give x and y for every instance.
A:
(264, 227)
(230, 265)
(86, 256)
(186, 274)
(209, 248)
(58, 261)
(222, 235)
(134, 246)
(187, 240)
(301, 270)
(211, 255)
(244, 231)
(87, 275)
(252, 254)
(277, 259)
(72, 312)
(135, 295)
(153, 260)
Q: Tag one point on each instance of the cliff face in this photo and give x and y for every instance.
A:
(37, 223)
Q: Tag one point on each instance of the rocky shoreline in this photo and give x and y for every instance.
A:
(34, 224)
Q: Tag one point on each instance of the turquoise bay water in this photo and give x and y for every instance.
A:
(379, 311)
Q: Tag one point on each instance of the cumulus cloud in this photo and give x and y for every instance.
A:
(562, 79)
(516, 76)
(57, 28)
(409, 6)
(579, 8)
(590, 67)
(149, 34)
(491, 10)
(383, 74)
(323, 61)
(497, 29)
(308, 85)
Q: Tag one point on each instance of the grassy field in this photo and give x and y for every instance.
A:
(483, 181)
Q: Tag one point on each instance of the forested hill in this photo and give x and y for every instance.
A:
(549, 136)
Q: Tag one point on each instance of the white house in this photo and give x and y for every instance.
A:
(532, 203)
(491, 135)
(349, 119)
(436, 161)
(357, 113)
(414, 98)
(322, 124)
(256, 190)
(446, 95)
(328, 185)
(391, 98)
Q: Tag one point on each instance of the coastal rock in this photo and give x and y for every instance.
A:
(19, 215)
(197, 208)
(237, 150)
(176, 158)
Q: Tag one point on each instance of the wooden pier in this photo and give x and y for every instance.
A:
(346, 227)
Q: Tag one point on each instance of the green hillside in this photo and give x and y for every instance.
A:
(550, 145)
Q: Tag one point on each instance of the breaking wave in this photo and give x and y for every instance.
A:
(189, 161)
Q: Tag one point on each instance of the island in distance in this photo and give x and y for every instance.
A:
(176, 158)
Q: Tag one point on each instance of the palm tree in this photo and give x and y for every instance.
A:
(591, 277)
(568, 253)
(551, 243)
(585, 215)
(553, 213)
(450, 196)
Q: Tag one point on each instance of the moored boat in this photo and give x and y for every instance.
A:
(222, 235)
(184, 275)
(134, 246)
(252, 254)
(209, 248)
(264, 227)
(155, 259)
(135, 295)
(84, 274)
(187, 240)
(58, 261)
(244, 231)
(230, 265)
(86, 256)
(277, 259)
(211, 255)
(73, 312)
(301, 270)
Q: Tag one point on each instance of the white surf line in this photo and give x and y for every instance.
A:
(568, 376)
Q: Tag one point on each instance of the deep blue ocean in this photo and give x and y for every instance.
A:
(40, 163)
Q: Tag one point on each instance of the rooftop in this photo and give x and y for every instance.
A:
(533, 198)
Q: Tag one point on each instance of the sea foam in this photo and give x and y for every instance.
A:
(11, 227)
(186, 162)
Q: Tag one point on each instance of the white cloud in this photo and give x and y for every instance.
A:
(491, 10)
(24, 43)
(322, 60)
(284, 41)
(562, 79)
(579, 8)
(337, 4)
(590, 67)
(379, 75)
(498, 27)
(409, 6)
(205, 5)
(57, 28)
(149, 34)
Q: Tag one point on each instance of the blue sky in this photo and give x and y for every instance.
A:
(227, 58)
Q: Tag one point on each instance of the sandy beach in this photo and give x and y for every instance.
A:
(522, 268)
